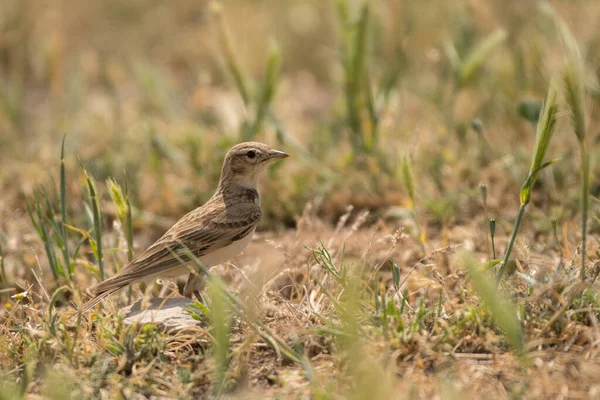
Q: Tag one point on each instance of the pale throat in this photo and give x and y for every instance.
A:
(247, 181)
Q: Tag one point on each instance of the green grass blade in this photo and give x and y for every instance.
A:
(573, 83)
(525, 193)
(241, 82)
(97, 221)
(129, 230)
(50, 218)
(492, 237)
(395, 274)
(370, 139)
(359, 49)
(501, 309)
(575, 90)
(267, 92)
(48, 245)
(544, 133)
(2, 266)
(220, 312)
(408, 179)
(123, 207)
(354, 68)
(63, 210)
(342, 12)
(473, 62)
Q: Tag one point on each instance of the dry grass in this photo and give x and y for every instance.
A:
(420, 117)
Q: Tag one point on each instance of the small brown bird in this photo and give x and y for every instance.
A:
(214, 232)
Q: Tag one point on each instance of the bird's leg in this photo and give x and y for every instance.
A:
(194, 286)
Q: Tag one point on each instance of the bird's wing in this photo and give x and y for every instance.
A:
(200, 231)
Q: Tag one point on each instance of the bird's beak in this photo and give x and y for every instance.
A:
(276, 155)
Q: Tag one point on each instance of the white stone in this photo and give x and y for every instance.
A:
(170, 313)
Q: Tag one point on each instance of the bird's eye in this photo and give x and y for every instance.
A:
(251, 154)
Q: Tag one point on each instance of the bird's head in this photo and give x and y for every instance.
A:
(245, 161)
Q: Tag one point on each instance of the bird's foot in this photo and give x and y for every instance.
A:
(194, 286)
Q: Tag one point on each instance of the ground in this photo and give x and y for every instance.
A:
(416, 142)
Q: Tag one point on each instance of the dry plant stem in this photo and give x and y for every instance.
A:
(511, 242)
(564, 308)
(585, 170)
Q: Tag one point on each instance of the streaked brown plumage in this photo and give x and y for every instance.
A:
(214, 232)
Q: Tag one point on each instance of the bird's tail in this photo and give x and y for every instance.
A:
(97, 299)
(105, 288)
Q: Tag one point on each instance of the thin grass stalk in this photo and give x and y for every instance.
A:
(585, 167)
(11, 101)
(267, 92)
(52, 319)
(575, 96)
(241, 82)
(343, 16)
(473, 62)
(97, 220)
(34, 212)
(377, 100)
(573, 75)
(484, 193)
(129, 238)
(220, 316)
(58, 236)
(545, 130)
(129, 230)
(123, 206)
(354, 64)
(381, 310)
(121, 202)
(359, 51)
(75, 337)
(372, 110)
(492, 236)
(409, 184)
(48, 246)
(511, 242)
(3, 266)
(63, 211)
(554, 223)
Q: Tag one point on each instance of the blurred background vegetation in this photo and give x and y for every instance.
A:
(153, 93)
